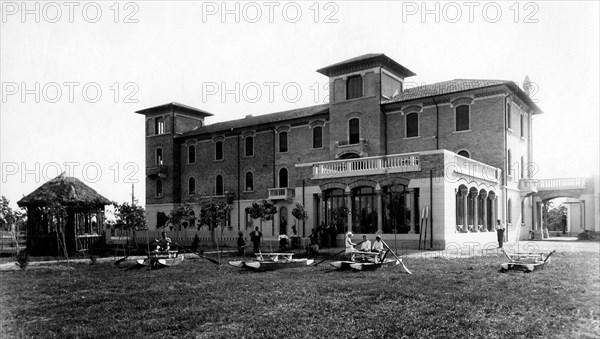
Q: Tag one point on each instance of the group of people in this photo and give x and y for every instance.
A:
(365, 245)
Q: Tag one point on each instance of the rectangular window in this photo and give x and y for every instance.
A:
(191, 154)
(462, 118)
(508, 115)
(354, 87)
(353, 131)
(159, 125)
(159, 156)
(283, 142)
(412, 125)
(390, 87)
(522, 125)
(219, 150)
(317, 137)
(249, 146)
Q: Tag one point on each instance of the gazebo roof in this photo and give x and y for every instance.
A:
(68, 191)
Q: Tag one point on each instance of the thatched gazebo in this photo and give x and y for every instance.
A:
(63, 208)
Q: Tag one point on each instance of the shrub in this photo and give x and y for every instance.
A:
(589, 235)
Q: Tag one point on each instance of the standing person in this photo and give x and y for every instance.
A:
(241, 243)
(563, 221)
(255, 238)
(333, 235)
(500, 231)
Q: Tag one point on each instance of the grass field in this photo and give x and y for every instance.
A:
(444, 298)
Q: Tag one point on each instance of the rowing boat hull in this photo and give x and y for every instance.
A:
(370, 266)
(342, 265)
(160, 262)
(267, 265)
(524, 266)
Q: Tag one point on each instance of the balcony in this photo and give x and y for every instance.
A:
(281, 193)
(552, 184)
(397, 163)
(157, 171)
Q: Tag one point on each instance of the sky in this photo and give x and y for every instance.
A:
(73, 73)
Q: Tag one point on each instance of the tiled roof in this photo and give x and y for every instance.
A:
(261, 119)
(367, 60)
(446, 87)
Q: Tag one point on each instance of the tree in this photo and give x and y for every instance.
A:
(214, 214)
(264, 211)
(182, 216)
(555, 217)
(130, 217)
(299, 213)
(10, 220)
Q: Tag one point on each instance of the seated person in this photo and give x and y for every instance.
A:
(350, 246)
(283, 241)
(378, 246)
(164, 244)
(365, 246)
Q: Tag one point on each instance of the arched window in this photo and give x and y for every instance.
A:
(412, 125)
(462, 118)
(159, 156)
(318, 137)
(191, 154)
(283, 177)
(219, 185)
(159, 188)
(353, 131)
(219, 150)
(464, 153)
(283, 142)
(508, 115)
(522, 211)
(191, 186)
(249, 146)
(354, 87)
(249, 181)
(159, 125)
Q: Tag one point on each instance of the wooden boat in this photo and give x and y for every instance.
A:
(364, 261)
(526, 262)
(271, 261)
(371, 266)
(161, 259)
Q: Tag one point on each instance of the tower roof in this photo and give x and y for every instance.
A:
(366, 61)
(175, 106)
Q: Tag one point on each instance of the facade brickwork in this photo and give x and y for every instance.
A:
(425, 166)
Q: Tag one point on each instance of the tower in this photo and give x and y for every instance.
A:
(357, 87)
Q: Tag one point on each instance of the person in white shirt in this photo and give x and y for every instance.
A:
(378, 247)
(366, 245)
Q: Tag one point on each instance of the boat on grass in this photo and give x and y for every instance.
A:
(526, 262)
(271, 261)
(158, 259)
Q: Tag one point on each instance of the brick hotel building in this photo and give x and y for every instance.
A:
(444, 158)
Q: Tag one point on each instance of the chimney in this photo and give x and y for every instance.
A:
(527, 85)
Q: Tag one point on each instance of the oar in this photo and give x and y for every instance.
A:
(394, 254)
(342, 251)
(551, 253)
(198, 254)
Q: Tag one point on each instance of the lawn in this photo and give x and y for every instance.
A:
(444, 298)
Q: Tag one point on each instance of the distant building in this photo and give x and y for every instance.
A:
(380, 157)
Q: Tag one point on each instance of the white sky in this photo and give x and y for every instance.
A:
(176, 51)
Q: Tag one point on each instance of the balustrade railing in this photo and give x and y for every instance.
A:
(369, 165)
